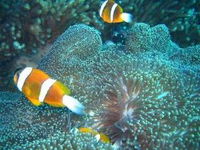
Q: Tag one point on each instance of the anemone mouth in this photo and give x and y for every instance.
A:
(118, 113)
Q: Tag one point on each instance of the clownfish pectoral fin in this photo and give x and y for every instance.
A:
(73, 104)
(127, 17)
(35, 102)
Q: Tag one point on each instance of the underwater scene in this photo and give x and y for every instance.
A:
(99, 74)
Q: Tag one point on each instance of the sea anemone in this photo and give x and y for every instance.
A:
(119, 115)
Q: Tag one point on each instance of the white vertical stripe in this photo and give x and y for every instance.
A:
(46, 85)
(112, 12)
(23, 76)
(98, 137)
(102, 8)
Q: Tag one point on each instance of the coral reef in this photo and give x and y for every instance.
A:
(148, 88)
(29, 26)
(181, 17)
(162, 114)
(33, 24)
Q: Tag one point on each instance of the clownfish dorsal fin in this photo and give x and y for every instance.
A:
(111, 1)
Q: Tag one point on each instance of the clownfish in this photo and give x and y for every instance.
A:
(99, 136)
(111, 12)
(40, 88)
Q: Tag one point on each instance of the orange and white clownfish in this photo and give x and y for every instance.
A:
(99, 136)
(40, 88)
(111, 12)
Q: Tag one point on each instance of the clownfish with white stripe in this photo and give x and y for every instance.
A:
(40, 88)
(111, 12)
(98, 135)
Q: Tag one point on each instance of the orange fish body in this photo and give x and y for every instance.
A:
(40, 88)
(111, 12)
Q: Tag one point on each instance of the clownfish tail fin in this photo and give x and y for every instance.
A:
(73, 104)
(127, 17)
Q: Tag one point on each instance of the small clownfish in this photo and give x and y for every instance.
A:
(111, 12)
(39, 88)
(99, 136)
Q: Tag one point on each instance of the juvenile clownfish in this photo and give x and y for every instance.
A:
(99, 136)
(39, 88)
(111, 12)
